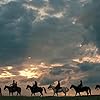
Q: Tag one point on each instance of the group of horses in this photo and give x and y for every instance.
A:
(40, 90)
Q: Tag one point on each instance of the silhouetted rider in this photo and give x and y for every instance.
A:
(14, 85)
(81, 84)
(58, 86)
(35, 85)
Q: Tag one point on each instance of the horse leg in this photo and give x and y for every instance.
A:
(9, 93)
(75, 93)
(64, 93)
(87, 93)
(41, 94)
(34, 94)
(17, 94)
(20, 93)
(79, 94)
(57, 94)
(54, 94)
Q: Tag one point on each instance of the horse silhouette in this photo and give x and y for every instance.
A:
(11, 90)
(62, 89)
(36, 90)
(97, 87)
(78, 90)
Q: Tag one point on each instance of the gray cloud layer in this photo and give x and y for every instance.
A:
(24, 33)
(90, 19)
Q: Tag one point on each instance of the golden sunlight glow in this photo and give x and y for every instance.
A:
(9, 67)
(30, 73)
(28, 70)
(33, 70)
(6, 68)
(56, 65)
(93, 59)
(6, 74)
(43, 65)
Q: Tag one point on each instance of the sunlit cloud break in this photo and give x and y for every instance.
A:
(44, 12)
(27, 70)
(95, 59)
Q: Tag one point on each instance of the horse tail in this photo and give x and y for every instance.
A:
(44, 90)
(90, 91)
(19, 90)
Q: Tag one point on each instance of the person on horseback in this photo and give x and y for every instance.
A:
(58, 86)
(14, 85)
(80, 85)
(35, 85)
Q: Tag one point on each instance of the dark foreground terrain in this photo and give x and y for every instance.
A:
(49, 98)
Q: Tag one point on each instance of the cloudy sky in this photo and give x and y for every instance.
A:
(50, 40)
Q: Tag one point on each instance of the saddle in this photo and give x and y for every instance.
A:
(35, 88)
(59, 89)
(14, 88)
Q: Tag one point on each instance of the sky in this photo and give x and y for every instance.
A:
(49, 40)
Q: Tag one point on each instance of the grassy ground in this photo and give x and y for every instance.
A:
(49, 98)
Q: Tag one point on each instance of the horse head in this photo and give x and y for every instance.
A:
(28, 86)
(72, 86)
(50, 86)
(5, 87)
(97, 87)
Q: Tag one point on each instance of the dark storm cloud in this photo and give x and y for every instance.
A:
(90, 19)
(23, 33)
(56, 71)
(59, 4)
(93, 70)
(15, 31)
(86, 66)
(46, 81)
(91, 22)
(93, 80)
